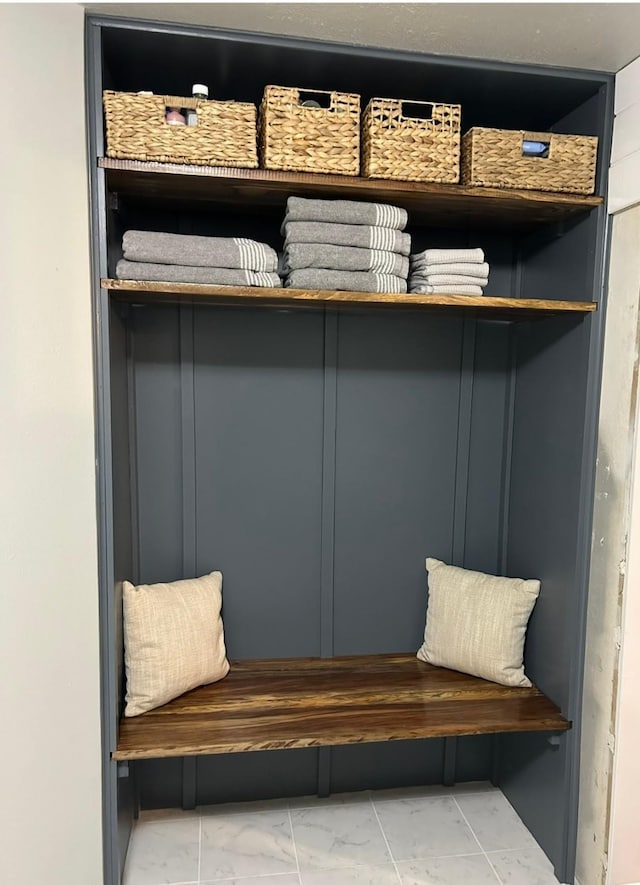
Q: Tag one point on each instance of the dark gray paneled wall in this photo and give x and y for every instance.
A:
(316, 461)
(397, 416)
(258, 456)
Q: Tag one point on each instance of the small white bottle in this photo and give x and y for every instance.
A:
(198, 90)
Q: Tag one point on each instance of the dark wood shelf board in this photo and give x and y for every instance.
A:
(441, 204)
(313, 702)
(141, 292)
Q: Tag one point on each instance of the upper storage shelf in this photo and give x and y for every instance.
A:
(482, 306)
(444, 205)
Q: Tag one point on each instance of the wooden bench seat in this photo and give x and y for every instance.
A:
(313, 702)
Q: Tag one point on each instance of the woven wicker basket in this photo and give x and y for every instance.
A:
(137, 130)
(494, 158)
(309, 139)
(407, 148)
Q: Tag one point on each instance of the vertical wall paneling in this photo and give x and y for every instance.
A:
(187, 423)
(459, 527)
(328, 482)
(133, 451)
(398, 393)
(328, 516)
(260, 397)
(463, 442)
(509, 407)
(158, 396)
(259, 391)
(397, 415)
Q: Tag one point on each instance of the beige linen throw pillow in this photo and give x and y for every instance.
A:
(173, 640)
(477, 623)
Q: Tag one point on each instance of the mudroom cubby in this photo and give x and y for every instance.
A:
(317, 447)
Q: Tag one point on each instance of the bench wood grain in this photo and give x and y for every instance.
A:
(313, 702)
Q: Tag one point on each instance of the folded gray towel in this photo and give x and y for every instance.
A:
(344, 280)
(346, 212)
(214, 276)
(424, 289)
(447, 279)
(450, 256)
(460, 268)
(362, 236)
(184, 249)
(298, 256)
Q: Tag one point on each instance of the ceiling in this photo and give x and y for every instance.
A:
(595, 36)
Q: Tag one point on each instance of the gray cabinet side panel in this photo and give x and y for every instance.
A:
(543, 543)
(533, 776)
(258, 440)
(545, 489)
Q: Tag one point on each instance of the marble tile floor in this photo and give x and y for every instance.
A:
(465, 835)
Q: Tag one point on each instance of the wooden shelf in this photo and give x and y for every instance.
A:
(313, 702)
(139, 292)
(445, 205)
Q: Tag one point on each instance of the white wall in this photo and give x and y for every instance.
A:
(611, 511)
(624, 846)
(624, 177)
(50, 802)
(623, 843)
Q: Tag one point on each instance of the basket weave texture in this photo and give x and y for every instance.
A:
(410, 149)
(493, 158)
(309, 139)
(137, 130)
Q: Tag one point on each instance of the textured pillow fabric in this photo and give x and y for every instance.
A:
(477, 623)
(173, 640)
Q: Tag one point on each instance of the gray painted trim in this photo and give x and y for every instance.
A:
(311, 45)
(510, 405)
(189, 552)
(104, 515)
(465, 406)
(328, 515)
(464, 441)
(187, 402)
(133, 451)
(328, 482)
